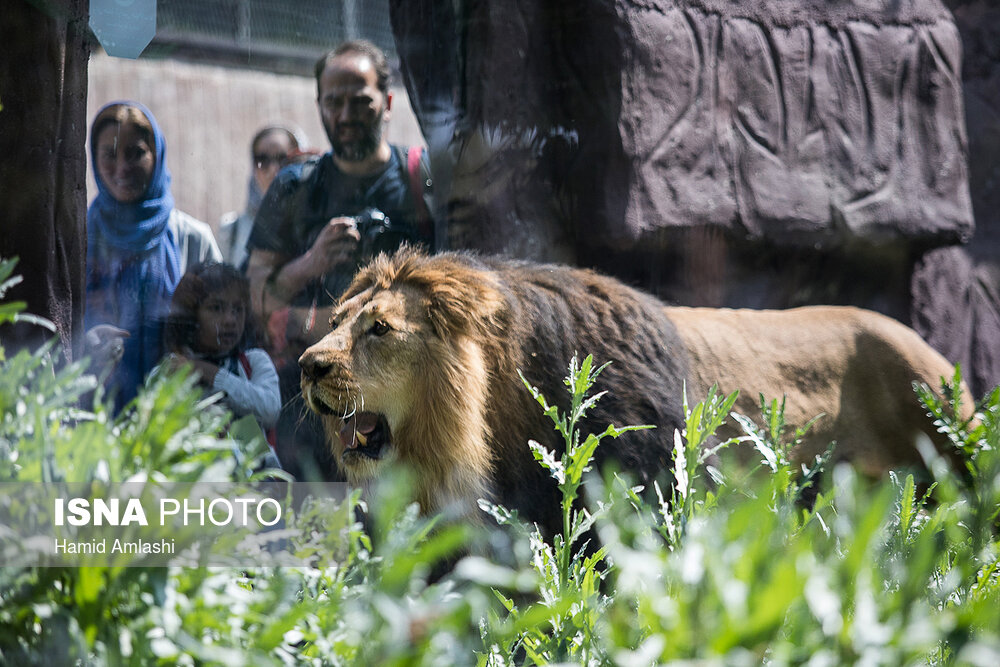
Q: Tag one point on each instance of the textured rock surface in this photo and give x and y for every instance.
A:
(749, 154)
(604, 122)
(963, 285)
(979, 25)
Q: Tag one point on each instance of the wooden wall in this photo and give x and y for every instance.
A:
(208, 115)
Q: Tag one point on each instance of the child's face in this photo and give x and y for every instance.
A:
(221, 318)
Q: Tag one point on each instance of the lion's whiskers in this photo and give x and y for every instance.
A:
(293, 398)
(348, 412)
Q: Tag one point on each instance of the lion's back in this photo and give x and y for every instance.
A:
(558, 312)
(850, 367)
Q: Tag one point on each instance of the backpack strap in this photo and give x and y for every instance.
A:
(413, 155)
(271, 434)
(245, 363)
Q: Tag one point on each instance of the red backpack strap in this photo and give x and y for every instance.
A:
(246, 365)
(271, 434)
(413, 155)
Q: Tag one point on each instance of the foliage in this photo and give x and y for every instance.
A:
(568, 577)
(13, 311)
(711, 564)
(745, 575)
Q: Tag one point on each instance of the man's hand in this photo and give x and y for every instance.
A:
(336, 245)
(275, 278)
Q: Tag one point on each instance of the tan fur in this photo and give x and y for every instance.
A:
(445, 375)
(854, 367)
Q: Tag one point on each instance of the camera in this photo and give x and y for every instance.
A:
(377, 234)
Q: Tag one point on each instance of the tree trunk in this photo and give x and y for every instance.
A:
(43, 131)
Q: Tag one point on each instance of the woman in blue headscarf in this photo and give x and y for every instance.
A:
(138, 245)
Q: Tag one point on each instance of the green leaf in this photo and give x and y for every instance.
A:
(907, 506)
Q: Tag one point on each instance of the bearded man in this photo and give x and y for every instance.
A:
(324, 217)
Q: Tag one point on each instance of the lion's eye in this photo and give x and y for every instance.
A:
(379, 328)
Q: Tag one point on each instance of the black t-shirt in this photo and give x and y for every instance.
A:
(305, 196)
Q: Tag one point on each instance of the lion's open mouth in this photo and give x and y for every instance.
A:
(365, 434)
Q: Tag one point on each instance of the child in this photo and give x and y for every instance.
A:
(208, 327)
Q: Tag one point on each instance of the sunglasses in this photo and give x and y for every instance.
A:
(263, 160)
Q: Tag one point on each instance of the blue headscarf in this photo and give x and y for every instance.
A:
(133, 265)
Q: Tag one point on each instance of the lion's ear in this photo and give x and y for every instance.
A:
(465, 304)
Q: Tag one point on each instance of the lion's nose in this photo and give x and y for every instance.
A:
(313, 365)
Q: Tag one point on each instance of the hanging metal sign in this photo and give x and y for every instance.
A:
(123, 27)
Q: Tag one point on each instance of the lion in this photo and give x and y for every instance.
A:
(420, 368)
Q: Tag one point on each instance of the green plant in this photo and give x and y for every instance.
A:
(13, 311)
(795, 484)
(569, 573)
(873, 574)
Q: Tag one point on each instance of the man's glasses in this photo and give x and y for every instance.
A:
(263, 160)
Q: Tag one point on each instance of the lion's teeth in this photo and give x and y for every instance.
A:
(362, 438)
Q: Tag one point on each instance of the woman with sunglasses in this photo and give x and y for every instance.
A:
(272, 147)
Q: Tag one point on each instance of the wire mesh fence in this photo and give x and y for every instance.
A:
(267, 34)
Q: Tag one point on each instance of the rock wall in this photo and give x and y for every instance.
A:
(796, 121)
(974, 278)
(758, 154)
(801, 122)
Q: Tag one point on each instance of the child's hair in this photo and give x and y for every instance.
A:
(201, 280)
